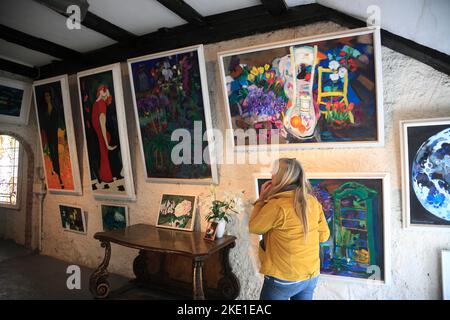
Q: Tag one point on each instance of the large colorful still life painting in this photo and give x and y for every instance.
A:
(426, 172)
(355, 212)
(105, 131)
(319, 92)
(57, 137)
(169, 93)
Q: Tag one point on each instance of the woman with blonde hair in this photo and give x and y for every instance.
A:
(293, 224)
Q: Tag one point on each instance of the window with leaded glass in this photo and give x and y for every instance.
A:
(9, 170)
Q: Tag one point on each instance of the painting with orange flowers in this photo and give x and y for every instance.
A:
(317, 92)
(59, 153)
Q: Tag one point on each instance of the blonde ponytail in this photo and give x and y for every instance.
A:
(290, 172)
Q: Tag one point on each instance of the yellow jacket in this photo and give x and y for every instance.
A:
(287, 255)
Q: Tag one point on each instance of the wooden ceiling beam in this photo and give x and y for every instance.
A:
(17, 68)
(238, 24)
(275, 7)
(184, 11)
(37, 44)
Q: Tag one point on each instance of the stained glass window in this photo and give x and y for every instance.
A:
(9, 169)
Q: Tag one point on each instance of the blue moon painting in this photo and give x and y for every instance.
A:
(429, 173)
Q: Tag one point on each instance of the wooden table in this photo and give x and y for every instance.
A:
(181, 262)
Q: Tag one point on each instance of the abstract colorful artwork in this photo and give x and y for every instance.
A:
(426, 172)
(105, 131)
(313, 92)
(170, 92)
(58, 147)
(114, 217)
(72, 218)
(15, 98)
(177, 212)
(355, 211)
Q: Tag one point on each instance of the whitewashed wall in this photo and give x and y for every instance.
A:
(411, 90)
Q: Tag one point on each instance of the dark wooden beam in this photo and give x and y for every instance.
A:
(275, 7)
(226, 26)
(106, 28)
(238, 24)
(17, 68)
(98, 24)
(37, 44)
(185, 11)
(435, 59)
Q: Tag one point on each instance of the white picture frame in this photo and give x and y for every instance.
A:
(22, 119)
(445, 267)
(130, 194)
(385, 178)
(65, 94)
(194, 212)
(404, 125)
(207, 113)
(83, 217)
(374, 30)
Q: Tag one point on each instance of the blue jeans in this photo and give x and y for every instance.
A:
(277, 289)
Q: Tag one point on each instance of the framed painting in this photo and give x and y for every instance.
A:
(15, 101)
(445, 266)
(425, 167)
(356, 206)
(177, 212)
(105, 133)
(114, 217)
(314, 92)
(170, 96)
(56, 133)
(72, 218)
(211, 231)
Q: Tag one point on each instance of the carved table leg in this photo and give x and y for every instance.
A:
(140, 267)
(98, 283)
(197, 281)
(229, 283)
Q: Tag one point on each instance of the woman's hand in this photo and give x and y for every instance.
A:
(264, 189)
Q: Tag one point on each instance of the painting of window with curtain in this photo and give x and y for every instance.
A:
(312, 92)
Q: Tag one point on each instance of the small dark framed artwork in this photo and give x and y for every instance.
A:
(211, 231)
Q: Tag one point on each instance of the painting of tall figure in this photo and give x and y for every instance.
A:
(426, 172)
(57, 139)
(105, 131)
(170, 96)
(316, 92)
(356, 208)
